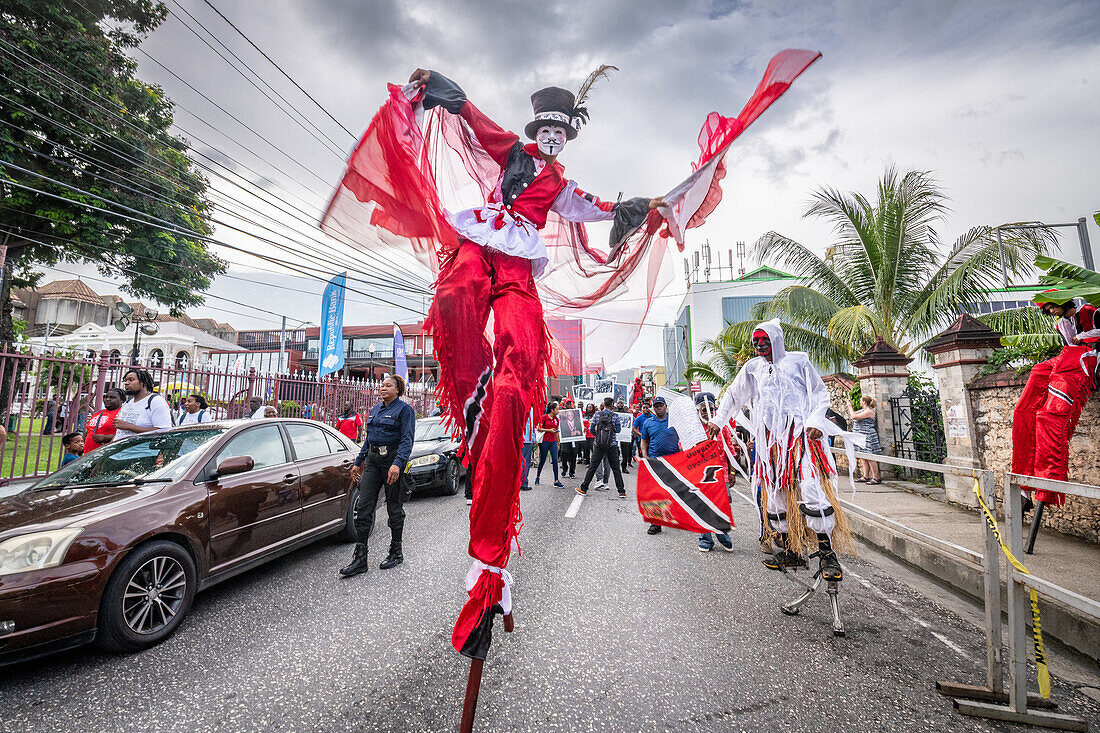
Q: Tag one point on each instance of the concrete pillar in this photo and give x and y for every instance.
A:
(883, 375)
(959, 353)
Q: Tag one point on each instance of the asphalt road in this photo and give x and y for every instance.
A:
(615, 630)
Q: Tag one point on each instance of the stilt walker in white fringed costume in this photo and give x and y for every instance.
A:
(794, 468)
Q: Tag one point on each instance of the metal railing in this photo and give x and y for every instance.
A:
(1020, 706)
(43, 396)
(992, 700)
(987, 562)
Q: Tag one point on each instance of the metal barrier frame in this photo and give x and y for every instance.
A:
(989, 563)
(1019, 708)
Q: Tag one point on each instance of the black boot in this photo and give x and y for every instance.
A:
(783, 558)
(358, 561)
(830, 563)
(395, 557)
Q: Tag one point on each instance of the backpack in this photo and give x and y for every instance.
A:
(603, 427)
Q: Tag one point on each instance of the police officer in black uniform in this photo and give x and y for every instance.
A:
(381, 462)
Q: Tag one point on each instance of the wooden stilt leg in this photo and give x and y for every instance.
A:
(473, 687)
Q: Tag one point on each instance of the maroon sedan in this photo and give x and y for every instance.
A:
(114, 546)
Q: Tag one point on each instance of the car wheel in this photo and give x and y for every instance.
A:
(451, 481)
(348, 535)
(147, 597)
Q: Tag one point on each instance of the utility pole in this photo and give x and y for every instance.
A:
(282, 344)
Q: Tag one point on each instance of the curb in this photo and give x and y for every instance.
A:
(1061, 622)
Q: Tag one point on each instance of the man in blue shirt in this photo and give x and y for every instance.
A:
(639, 421)
(387, 445)
(605, 425)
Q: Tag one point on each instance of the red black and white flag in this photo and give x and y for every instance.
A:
(687, 490)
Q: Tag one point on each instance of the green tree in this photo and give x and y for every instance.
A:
(72, 110)
(887, 275)
(724, 358)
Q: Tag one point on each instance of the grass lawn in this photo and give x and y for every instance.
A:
(25, 446)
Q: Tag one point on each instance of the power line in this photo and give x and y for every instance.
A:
(303, 91)
(171, 227)
(168, 262)
(180, 207)
(309, 222)
(389, 274)
(244, 63)
(211, 307)
(161, 280)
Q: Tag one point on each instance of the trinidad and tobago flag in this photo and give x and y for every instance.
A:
(687, 490)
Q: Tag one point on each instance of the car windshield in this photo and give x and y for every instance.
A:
(432, 430)
(149, 457)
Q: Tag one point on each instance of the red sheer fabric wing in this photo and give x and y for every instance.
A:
(719, 132)
(388, 195)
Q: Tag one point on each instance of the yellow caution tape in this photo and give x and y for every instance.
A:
(1036, 623)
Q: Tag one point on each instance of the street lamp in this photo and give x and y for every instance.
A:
(145, 323)
(370, 349)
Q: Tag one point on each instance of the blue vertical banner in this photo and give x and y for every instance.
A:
(331, 358)
(400, 364)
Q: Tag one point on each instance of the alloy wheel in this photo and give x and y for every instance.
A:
(154, 595)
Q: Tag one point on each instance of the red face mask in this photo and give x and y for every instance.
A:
(762, 343)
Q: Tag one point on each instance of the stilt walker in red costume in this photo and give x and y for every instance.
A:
(490, 389)
(489, 260)
(1047, 412)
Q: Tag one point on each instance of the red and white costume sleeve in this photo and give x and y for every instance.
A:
(1046, 416)
(1084, 319)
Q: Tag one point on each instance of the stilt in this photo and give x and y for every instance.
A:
(832, 587)
(834, 594)
(1036, 520)
(473, 687)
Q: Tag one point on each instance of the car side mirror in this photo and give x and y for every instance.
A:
(232, 465)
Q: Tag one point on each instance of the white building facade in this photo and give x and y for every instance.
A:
(174, 344)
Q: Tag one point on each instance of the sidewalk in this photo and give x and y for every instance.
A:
(1067, 561)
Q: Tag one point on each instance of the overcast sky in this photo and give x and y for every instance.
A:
(998, 99)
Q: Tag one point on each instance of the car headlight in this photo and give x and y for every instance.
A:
(36, 551)
(424, 460)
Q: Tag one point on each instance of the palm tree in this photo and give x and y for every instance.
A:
(886, 276)
(1070, 281)
(725, 356)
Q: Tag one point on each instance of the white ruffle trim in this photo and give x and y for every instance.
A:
(477, 567)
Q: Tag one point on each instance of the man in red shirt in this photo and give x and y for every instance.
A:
(101, 425)
(350, 422)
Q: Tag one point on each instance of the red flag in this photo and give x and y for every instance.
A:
(687, 490)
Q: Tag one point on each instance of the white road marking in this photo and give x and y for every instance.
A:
(905, 612)
(574, 507)
(893, 602)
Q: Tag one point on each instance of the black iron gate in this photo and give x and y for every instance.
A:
(918, 432)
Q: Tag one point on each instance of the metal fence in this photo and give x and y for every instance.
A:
(991, 700)
(988, 563)
(918, 432)
(45, 396)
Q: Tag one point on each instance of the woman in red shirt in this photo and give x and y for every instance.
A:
(350, 422)
(101, 425)
(548, 429)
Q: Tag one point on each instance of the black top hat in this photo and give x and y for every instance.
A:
(557, 107)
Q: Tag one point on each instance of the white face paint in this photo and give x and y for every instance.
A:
(550, 139)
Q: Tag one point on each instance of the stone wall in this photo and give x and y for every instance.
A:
(993, 398)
